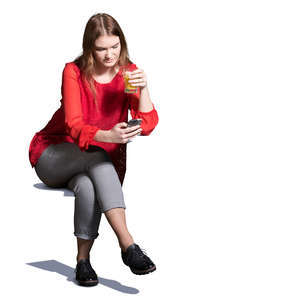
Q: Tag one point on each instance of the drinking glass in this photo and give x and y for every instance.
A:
(128, 87)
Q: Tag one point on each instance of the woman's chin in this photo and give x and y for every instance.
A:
(109, 64)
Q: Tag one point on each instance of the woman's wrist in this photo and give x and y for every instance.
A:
(102, 136)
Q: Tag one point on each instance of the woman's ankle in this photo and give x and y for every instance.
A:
(79, 257)
(125, 244)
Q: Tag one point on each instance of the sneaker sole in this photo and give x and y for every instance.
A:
(88, 283)
(139, 272)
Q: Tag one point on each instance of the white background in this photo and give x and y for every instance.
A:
(212, 194)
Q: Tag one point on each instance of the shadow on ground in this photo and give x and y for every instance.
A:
(68, 272)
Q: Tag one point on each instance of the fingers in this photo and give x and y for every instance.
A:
(133, 133)
(128, 132)
(137, 71)
(130, 129)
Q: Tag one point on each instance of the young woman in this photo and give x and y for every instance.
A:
(83, 146)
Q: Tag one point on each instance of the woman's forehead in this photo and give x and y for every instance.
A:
(106, 41)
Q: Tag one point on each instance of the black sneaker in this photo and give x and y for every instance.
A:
(137, 260)
(85, 274)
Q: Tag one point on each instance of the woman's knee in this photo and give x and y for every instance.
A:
(81, 183)
(85, 198)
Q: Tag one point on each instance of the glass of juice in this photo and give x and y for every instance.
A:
(128, 87)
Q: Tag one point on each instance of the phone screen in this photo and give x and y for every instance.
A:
(134, 122)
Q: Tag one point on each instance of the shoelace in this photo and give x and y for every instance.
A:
(142, 252)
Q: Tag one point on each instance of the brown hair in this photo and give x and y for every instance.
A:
(98, 25)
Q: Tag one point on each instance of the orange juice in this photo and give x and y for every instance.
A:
(128, 87)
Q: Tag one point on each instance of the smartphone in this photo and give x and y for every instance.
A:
(134, 122)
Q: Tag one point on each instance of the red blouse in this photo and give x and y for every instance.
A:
(77, 119)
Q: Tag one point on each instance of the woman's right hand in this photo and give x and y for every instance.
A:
(121, 135)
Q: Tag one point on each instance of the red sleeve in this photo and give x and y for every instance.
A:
(149, 118)
(82, 133)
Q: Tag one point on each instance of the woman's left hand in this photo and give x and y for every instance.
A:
(138, 78)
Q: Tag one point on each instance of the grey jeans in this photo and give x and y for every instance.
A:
(92, 177)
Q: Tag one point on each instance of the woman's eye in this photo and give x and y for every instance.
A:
(115, 47)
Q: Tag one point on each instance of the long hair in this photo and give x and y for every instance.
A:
(98, 25)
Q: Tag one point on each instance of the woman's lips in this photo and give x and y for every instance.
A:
(109, 60)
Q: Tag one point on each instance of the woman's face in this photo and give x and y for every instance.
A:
(107, 50)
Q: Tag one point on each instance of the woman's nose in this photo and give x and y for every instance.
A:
(108, 53)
